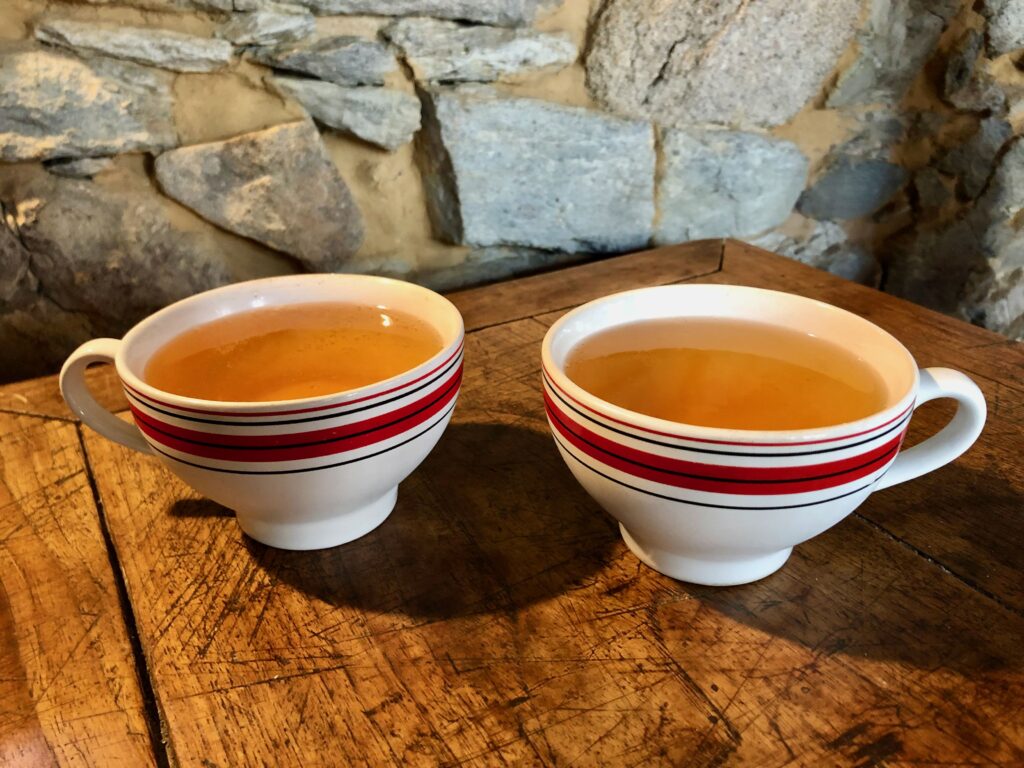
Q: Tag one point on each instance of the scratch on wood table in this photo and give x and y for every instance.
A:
(496, 618)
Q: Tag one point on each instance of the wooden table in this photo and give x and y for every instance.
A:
(496, 618)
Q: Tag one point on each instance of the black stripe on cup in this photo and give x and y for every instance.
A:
(300, 470)
(717, 452)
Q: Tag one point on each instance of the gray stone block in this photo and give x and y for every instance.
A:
(516, 171)
(827, 247)
(967, 85)
(718, 183)
(277, 186)
(155, 47)
(506, 13)
(55, 105)
(892, 48)
(172, 5)
(444, 51)
(850, 187)
(1005, 25)
(716, 61)
(381, 116)
(113, 253)
(973, 161)
(277, 24)
(972, 266)
(342, 59)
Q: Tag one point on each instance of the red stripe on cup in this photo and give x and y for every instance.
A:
(284, 440)
(716, 471)
(156, 432)
(748, 481)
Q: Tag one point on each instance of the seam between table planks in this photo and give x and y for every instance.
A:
(159, 735)
(34, 415)
(573, 305)
(567, 307)
(940, 565)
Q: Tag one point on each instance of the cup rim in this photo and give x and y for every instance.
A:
(685, 431)
(129, 379)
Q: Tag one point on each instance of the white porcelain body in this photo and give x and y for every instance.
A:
(720, 506)
(300, 474)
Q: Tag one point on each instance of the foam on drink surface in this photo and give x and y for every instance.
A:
(291, 352)
(733, 374)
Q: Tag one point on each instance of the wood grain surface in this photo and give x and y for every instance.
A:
(497, 619)
(569, 287)
(41, 397)
(69, 694)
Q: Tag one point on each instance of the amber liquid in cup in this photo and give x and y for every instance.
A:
(290, 352)
(732, 374)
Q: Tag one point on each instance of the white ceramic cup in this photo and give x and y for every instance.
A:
(726, 506)
(300, 474)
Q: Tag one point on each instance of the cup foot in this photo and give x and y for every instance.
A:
(320, 534)
(712, 573)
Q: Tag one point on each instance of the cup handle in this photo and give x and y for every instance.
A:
(80, 400)
(953, 439)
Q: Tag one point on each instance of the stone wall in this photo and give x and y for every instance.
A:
(150, 149)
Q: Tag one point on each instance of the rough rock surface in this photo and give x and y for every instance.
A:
(54, 105)
(79, 168)
(1005, 25)
(38, 336)
(173, 5)
(444, 51)
(972, 266)
(1001, 305)
(516, 171)
(381, 116)
(972, 161)
(897, 40)
(17, 283)
(109, 256)
(155, 47)
(718, 183)
(850, 187)
(932, 189)
(827, 247)
(278, 24)
(873, 133)
(277, 186)
(716, 61)
(967, 85)
(342, 59)
(115, 254)
(506, 13)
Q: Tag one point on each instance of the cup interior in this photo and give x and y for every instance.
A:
(142, 341)
(869, 343)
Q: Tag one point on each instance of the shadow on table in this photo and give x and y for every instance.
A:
(856, 591)
(199, 508)
(492, 521)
